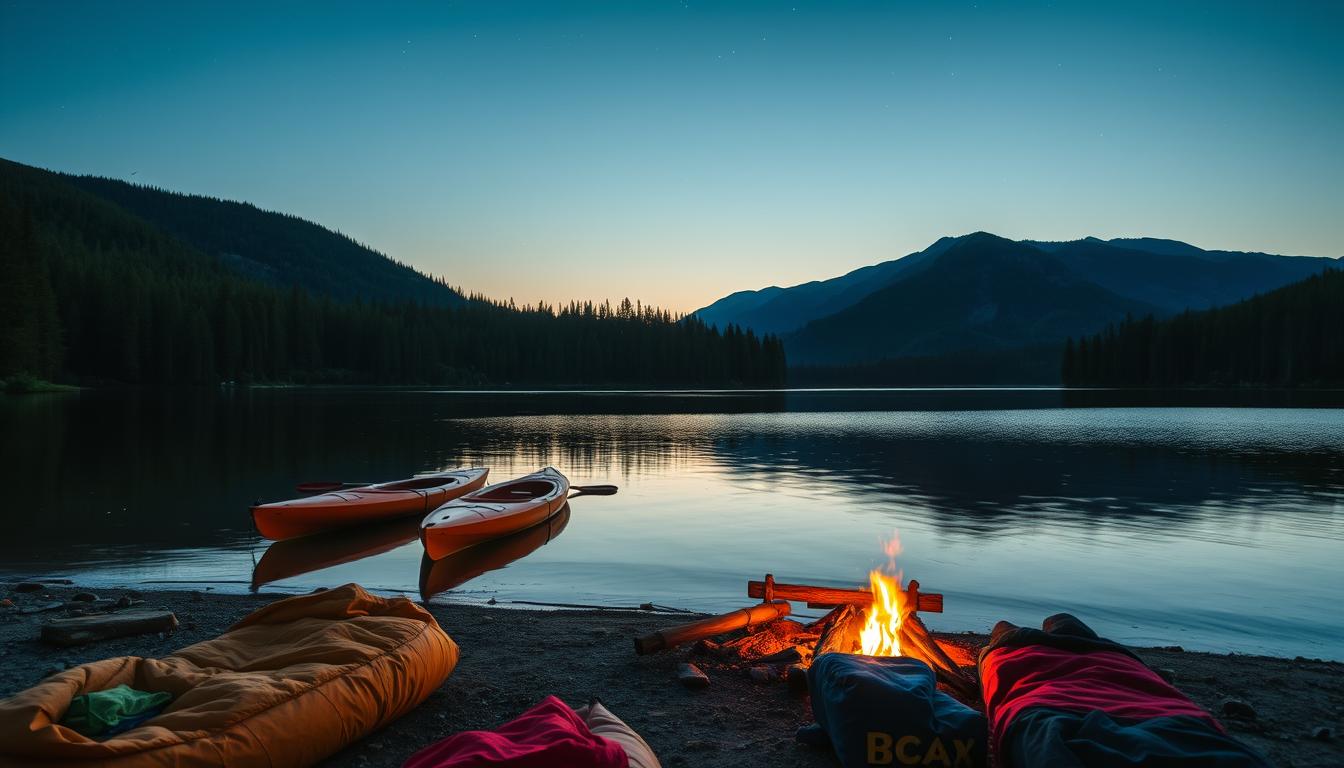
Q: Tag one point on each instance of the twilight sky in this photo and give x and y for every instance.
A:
(675, 152)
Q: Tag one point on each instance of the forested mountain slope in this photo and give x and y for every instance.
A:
(1293, 336)
(274, 247)
(96, 294)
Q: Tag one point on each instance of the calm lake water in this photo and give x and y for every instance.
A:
(1205, 520)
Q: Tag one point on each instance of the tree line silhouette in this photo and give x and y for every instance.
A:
(93, 294)
(1293, 336)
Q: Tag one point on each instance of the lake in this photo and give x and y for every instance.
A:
(1209, 520)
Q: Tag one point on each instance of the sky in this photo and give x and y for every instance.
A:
(674, 152)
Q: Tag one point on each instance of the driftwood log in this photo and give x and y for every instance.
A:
(87, 629)
(671, 637)
(827, 597)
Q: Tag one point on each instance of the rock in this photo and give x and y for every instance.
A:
(691, 676)
(491, 601)
(1323, 733)
(124, 602)
(796, 677)
(196, 597)
(1170, 648)
(84, 597)
(707, 647)
(28, 586)
(762, 673)
(646, 606)
(1238, 709)
(135, 594)
(1167, 673)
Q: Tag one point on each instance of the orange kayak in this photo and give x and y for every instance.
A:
(457, 569)
(492, 512)
(366, 504)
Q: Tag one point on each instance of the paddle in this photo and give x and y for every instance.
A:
(324, 487)
(591, 490)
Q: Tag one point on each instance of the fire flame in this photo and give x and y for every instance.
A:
(881, 632)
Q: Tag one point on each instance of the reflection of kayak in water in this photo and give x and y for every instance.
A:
(294, 557)
(365, 504)
(497, 510)
(442, 575)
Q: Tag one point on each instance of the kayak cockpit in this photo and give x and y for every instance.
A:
(420, 483)
(524, 490)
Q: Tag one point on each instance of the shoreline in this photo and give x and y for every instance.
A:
(512, 658)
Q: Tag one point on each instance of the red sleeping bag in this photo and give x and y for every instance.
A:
(549, 734)
(1062, 697)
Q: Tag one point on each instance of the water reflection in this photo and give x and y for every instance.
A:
(295, 557)
(1014, 504)
(438, 576)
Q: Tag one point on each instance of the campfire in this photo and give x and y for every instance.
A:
(882, 620)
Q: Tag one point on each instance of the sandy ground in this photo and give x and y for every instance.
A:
(512, 658)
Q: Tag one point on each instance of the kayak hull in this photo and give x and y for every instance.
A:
(368, 504)
(491, 513)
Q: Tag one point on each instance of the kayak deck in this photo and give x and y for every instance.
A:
(493, 512)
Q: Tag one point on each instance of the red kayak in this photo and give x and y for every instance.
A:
(499, 510)
(365, 504)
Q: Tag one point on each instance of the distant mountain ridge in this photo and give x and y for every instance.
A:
(984, 293)
(277, 248)
(781, 310)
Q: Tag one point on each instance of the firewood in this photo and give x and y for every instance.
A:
(821, 624)
(87, 629)
(797, 654)
(842, 634)
(826, 597)
(918, 642)
(671, 637)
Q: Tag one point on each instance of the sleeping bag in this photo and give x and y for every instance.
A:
(889, 711)
(288, 685)
(1061, 696)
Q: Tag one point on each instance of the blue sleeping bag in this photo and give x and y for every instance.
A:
(889, 711)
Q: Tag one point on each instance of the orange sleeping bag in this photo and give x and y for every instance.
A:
(289, 685)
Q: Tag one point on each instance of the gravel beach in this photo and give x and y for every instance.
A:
(1290, 709)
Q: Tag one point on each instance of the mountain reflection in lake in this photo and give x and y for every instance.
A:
(1201, 519)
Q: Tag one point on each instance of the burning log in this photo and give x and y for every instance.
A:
(826, 597)
(919, 643)
(842, 634)
(715, 625)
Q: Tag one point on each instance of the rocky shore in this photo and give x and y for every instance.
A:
(1292, 710)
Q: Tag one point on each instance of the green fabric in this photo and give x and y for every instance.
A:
(94, 714)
